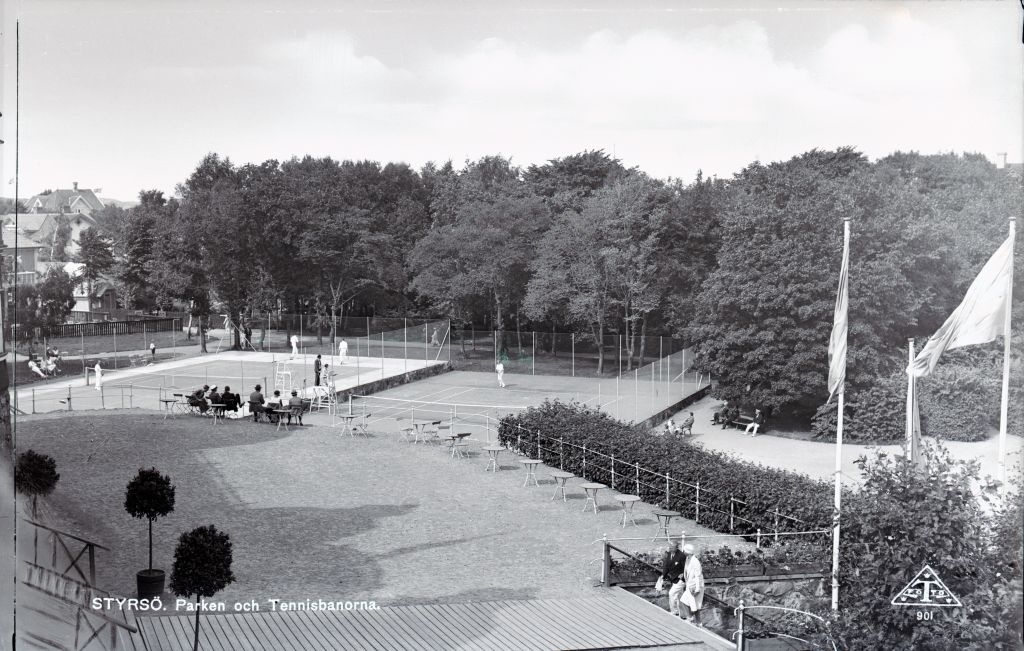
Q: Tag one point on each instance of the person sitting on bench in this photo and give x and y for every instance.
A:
(731, 414)
(719, 417)
(670, 427)
(755, 424)
(273, 402)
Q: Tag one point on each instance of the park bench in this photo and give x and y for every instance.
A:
(746, 419)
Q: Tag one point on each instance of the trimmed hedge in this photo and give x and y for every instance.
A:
(785, 555)
(720, 476)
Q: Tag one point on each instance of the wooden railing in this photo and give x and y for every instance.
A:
(63, 555)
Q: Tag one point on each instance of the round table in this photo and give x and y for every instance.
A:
(560, 477)
(217, 409)
(591, 488)
(492, 457)
(664, 519)
(627, 502)
(346, 423)
(531, 470)
(455, 443)
(169, 406)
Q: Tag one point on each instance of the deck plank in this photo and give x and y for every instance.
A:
(550, 622)
(427, 624)
(523, 635)
(470, 639)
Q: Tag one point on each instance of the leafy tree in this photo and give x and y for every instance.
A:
(133, 247)
(907, 516)
(34, 475)
(48, 303)
(202, 567)
(8, 206)
(149, 495)
(95, 252)
(569, 181)
(763, 316)
(485, 253)
(61, 238)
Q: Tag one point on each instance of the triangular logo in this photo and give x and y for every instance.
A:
(927, 589)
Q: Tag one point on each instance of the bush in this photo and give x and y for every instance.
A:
(724, 558)
(760, 490)
(34, 475)
(876, 414)
(958, 402)
(149, 495)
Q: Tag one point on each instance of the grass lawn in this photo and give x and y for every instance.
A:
(313, 515)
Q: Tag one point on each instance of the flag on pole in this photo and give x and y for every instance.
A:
(837, 342)
(979, 318)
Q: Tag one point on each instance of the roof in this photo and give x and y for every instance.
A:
(61, 199)
(28, 221)
(12, 240)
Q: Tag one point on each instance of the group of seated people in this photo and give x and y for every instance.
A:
(727, 415)
(269, 406)
(682, 429)
(46, 367)
(203, 399)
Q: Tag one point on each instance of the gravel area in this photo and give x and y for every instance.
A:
(314, 515)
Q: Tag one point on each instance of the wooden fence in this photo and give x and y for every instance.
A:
(106, 328)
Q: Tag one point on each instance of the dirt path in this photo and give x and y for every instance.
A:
(817, 459)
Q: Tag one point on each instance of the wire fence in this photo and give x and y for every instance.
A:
(688, 498)
(477, 419)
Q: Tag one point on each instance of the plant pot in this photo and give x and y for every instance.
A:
(150, 583)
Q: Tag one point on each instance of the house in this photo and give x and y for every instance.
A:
(21, 259)
(91, 296)
(66, 202)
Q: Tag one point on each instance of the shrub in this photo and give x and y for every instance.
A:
(876, 414)
(960, 403)
(34, 475)
(724, 558)
(759, 490)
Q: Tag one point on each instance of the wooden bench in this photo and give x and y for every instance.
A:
(744, 420)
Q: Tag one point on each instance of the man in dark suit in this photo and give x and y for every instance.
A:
(317, 367)
(672, 574)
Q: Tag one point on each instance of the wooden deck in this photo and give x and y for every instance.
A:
(616, 621)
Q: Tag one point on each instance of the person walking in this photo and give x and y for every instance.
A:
(499, 368)
(342, 351)
(434, 339)
(672, 571)
(317, 367)
(152, 349)
(295, 345)
(692, 597)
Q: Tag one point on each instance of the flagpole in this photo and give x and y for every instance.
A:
(913, 444)
(1005, 402)
(839, 428)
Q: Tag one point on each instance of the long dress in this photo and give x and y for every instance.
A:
(99, 377)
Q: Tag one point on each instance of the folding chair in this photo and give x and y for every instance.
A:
(362, 426)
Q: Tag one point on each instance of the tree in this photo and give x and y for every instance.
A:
(762, 318)
(907, 516)
(46, 304)
(202, 567)
(34, 475)
(95, 252)
(61, 238)
(149, 495)
(567, 182)
(485, 253)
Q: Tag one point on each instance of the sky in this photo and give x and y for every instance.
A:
(126, 96)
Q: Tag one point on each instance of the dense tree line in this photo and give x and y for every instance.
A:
(745, 270)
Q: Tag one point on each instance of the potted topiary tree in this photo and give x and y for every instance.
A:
(202, 567)
(34, 475)
(149, 495)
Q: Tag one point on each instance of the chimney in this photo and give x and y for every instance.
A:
(75, 184)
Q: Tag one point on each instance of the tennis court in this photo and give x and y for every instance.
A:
(241, 371)
(474, 402)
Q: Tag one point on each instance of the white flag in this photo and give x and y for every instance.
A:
(840, 322)
(979, 318)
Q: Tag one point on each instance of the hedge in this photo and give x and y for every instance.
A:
(719, 476)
